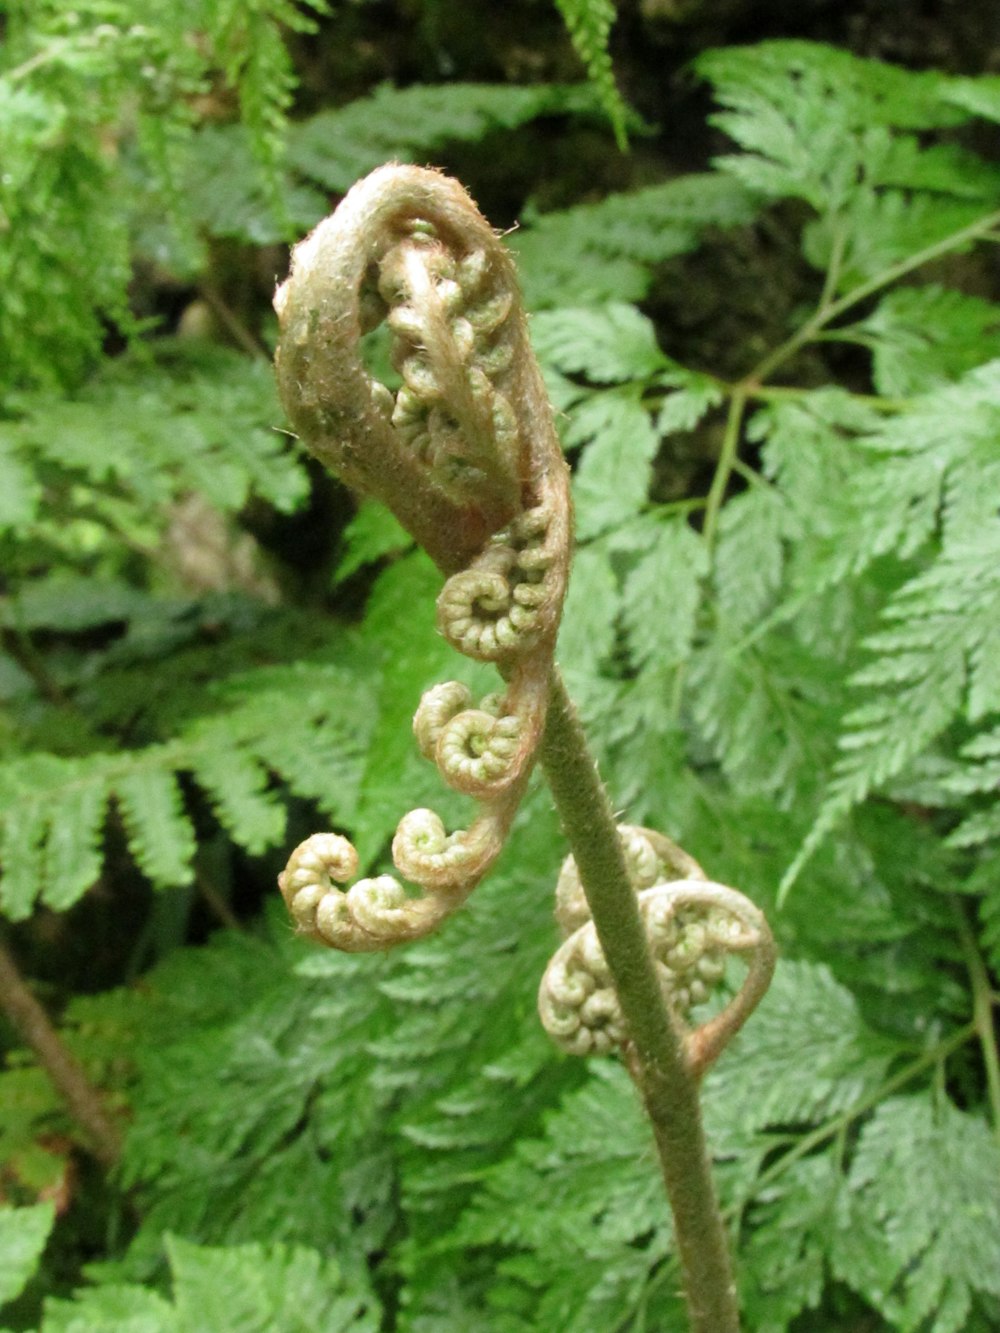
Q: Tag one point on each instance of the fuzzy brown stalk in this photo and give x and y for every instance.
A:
(36, 1030)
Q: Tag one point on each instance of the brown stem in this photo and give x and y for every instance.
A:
(215, 902)
(36, 1029)
(232, 323)
(668, 1086)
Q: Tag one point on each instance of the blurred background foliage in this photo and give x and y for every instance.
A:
(759, 242)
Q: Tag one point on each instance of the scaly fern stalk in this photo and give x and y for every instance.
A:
(466, 457)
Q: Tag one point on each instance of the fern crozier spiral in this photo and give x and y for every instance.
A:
(465, 454)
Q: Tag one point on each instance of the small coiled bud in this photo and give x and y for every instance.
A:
(692, 926)
(354, 920)
(437, 708)
(477, 750)
(316, 865)
(440, 861)
(650, 858)
(577, 1002)
(510, 596)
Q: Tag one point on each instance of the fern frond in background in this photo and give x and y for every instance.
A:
(81, 86)
(606, 251)
(776, 381)
(589, 23)
(271, 1286)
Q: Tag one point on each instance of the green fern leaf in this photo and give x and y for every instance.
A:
(129, 1309)
(227, 194)
(575, 1208)
(609, 345)
(23, 1233)
(73, 854)
(663, 594)
(25, 826)
(20, 490)
(980, 96)
(936, 662)
(925, 337)
(75, 78)
(264, 1077)
(372, 534)
(768, 711)
(595, 253)
(160, 835)
(808, 1055)
(783, 1265)
(236, 783)
(611, 483)
(338, 146)
(587, 629)
(249, 46)
(923, 1185)
(579, 1209)
(811, 452)
(750, 556)
(989, 915)
(869, 488)
(413, 657)
(201, 420)
(590, 23)
(692, 397)
(876, 231)
(67, 602)
(824, 126)
(472, 1085)
(808, 115)
(307, 722)
(30, 1110)
(976, 773)
(280, 1288)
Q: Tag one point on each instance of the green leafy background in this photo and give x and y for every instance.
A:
(774, 353)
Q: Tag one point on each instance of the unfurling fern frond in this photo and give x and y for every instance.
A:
(691, 924)
(465, 455)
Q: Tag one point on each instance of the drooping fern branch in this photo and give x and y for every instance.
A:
(465, 455)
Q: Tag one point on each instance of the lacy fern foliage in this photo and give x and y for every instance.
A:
(277, 1287)
(781, 628)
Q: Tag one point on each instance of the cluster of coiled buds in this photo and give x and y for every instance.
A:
(692, 925)
(465, 454)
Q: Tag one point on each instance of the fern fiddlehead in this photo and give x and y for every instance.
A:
(466, 456)
(692, 926)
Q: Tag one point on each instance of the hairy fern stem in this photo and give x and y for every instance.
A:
(656, 1057)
